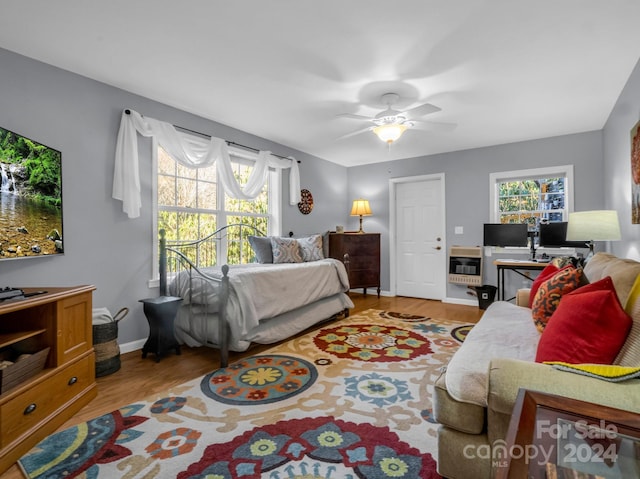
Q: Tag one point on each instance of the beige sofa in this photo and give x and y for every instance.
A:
(474, 396)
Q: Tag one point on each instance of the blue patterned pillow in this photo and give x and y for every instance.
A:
(285, 250)
(311, 248)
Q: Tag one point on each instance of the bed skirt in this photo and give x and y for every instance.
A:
(201, 329)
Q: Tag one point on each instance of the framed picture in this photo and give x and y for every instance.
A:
(552, 436)
(635, 174)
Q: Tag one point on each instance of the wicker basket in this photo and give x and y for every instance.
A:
(22, 370)
(105, 345)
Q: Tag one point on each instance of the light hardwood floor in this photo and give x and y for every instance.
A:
(139, 378)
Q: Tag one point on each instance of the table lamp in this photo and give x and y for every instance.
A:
(360, 208)
(590, 226)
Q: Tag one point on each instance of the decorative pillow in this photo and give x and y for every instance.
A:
(311, 248)
(545, 274)
(607, 372)
(261, 246)
(630, 353)
(588, 326)
(551, 290)
(285, 250)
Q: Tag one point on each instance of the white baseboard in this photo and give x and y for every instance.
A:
(372, 291)
(467, 302)
(132, 346)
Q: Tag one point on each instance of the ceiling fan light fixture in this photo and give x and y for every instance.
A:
(390, 132)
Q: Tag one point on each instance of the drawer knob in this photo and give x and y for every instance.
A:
(30, 408)
(72, 381)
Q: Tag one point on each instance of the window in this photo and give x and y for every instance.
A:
(190, 204)
(531, 196)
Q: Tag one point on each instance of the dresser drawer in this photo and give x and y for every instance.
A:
(33, 407)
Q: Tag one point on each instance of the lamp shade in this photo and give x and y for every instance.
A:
(597, 225)
(360, 208)
(390, 132)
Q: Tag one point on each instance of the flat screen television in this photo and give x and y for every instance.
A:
(554, 235)
(506, 234)
(30, 198)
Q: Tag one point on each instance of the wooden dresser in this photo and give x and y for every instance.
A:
(364, 257)
(37, 406)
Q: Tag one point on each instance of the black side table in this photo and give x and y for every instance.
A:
(161, 313)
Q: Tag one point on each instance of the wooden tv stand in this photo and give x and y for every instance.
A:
(60, 320)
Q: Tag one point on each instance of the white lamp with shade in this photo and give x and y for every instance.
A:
(590, 226)
(360, 208)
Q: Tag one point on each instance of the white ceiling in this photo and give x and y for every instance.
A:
(502, 70)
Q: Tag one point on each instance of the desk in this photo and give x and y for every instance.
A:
(516, 266)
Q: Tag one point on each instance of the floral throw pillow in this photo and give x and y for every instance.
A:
(311, 248)
(551, 290)
(285, 250)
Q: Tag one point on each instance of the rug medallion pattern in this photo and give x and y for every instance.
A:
(349, 400)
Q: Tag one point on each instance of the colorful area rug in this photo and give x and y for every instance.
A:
(349, 400)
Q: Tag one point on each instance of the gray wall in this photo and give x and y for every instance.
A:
(103, 247)
(80, 117)
(617, 174)
(467, 186)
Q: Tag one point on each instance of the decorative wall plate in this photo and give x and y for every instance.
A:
(306, 202)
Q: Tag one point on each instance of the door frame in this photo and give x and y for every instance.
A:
(393, 182)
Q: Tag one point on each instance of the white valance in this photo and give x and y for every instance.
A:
(190, 151)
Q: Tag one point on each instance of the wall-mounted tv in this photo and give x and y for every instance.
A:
(506, 234)
(30, 198)
(554, 235)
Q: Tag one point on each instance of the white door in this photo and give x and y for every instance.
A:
(420, 251)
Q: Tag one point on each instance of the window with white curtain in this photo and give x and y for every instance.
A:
(190, 203)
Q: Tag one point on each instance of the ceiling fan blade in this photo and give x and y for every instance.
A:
(434, 125)
(354, 133)
(422, 110)
(354, 117)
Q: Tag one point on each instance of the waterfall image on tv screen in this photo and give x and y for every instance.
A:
(30, 198)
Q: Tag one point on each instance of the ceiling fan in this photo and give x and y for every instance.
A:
(390, 124)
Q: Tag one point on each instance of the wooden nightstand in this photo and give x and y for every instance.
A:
(364, 257)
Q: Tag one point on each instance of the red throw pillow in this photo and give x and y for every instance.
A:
(551, 290)
(545, 274)
(588, 326)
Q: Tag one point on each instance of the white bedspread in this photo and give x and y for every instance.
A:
(504, 331)
(260, 291)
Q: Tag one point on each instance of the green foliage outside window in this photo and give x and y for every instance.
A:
(532, 200)
(190, 207)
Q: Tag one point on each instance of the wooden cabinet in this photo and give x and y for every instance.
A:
(59, 320)
(363, 260)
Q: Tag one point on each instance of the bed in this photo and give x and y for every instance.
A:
(231, 307)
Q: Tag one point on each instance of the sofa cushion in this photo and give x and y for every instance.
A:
(551, 290)
(623, 272)
(545, 274)
(629, 355)
(588, 326)
(504, 331)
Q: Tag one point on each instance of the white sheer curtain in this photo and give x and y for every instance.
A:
(190, 151)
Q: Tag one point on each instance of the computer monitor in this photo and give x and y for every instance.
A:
(555, 234)
(505, 234)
